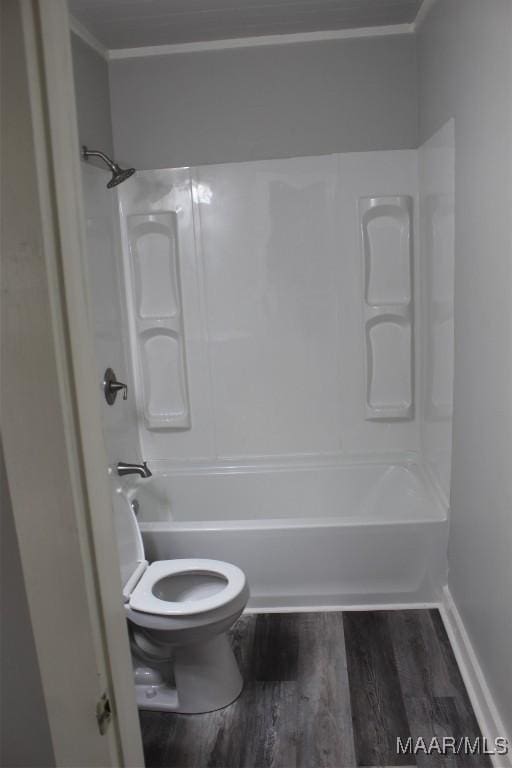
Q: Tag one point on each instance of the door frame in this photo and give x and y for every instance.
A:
(55, 455)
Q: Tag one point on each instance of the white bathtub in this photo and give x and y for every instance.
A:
(308, 537)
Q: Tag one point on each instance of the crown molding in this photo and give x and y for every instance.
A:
(423, 12)
(259, 41)
(83, 33)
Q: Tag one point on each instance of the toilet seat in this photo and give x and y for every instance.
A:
(143, 599)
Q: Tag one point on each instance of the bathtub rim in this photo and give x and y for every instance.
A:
(439, 510)
(284, 523)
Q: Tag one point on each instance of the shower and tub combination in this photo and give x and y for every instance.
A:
(285, 331)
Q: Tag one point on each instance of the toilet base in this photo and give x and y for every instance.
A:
(206, 678)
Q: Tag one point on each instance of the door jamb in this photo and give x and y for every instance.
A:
(56, 146)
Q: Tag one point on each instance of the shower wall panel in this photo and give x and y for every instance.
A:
(272, 292)
(437, 226)
(104, 277)
(162, 273)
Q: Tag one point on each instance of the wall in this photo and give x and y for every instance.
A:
(271, 272)
(465, 71)
(103, 272)
(92, 97)
(436, 160)
(24, 740)
(265, 102)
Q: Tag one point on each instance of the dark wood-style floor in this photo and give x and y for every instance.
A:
(327, 690)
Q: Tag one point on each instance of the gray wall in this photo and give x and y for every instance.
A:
(92, 96)
(24, 731)
(465, 70)
(265, 102)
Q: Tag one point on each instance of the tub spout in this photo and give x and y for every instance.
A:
(133, 469)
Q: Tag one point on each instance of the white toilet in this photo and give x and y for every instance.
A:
(179, 612)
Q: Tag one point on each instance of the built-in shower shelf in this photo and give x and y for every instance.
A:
(385, 225)
(166, 323)
(158, 319)
(389, 310)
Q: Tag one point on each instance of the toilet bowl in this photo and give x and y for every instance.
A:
(179, 612)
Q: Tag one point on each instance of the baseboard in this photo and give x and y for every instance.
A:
(309, 604)
(482, 701)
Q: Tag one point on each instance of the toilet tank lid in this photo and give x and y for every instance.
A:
(132, 558)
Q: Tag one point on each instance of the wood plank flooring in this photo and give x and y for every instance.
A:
(327, 690)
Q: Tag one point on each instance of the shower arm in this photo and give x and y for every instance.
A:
(96, 153)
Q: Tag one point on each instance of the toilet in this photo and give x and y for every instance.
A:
(179, 613)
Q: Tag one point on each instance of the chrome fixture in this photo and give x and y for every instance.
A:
(111, 386)
(133, 469)
(118, 174)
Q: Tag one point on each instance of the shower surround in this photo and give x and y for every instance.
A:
(292, 370)
(263, 261)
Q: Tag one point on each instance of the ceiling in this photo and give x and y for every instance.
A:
(134, 23)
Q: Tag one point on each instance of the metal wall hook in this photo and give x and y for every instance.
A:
(111, 386)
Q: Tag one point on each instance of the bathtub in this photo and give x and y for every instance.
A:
(308, 538)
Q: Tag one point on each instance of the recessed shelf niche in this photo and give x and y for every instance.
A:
(385, 224)
(154, 253)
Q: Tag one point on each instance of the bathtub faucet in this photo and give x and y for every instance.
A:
(133, 469)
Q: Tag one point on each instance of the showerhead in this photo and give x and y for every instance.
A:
(118, 174)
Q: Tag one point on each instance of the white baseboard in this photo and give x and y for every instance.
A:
(481, 698)
(308, 605)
